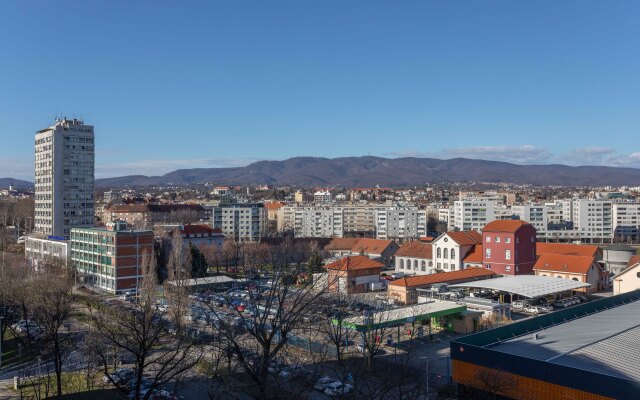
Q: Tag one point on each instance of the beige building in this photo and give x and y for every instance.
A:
(629, 279)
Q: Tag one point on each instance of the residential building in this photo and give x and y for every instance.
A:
(241, 222)
(341, 247)
(64, 178)
(111, 259)
(415, 258)
(472, 214)
(200, 235)
(626, 221)
(376, 249)
(39, 249)
(353, 274)
(401, 223)
(302, 197)
(450, 249)
(323, 196)
(145, 216)
(536, 215)
(628, 279)
(404, 290)
(578, 268)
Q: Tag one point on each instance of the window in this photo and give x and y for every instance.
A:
(446, 253)
(487, 253)
(453, 254)
(488, 239)
(423, 266)
(401, 264)
(415, 265)
(439, 252)
(507, 240)
(488, 266)
(507, 268)
(507, 254)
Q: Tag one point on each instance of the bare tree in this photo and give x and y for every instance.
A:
(269, 316)
(142, 333)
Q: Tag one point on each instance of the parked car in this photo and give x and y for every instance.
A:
(324, 382)
(545, 307)
(337, 389)
(532, 309)
(119, 375)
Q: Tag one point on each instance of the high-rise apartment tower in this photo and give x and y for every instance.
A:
(64, 178)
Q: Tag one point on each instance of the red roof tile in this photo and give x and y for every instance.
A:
(505, 225)
(424, 280)
(371, 246)
(465, 238)
(342, 243)
(416, 249)
(568, 249)
(474, 255)
(633, 261)
(352, 263)
(564, 263)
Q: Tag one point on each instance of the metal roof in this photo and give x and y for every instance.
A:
(403, 315)
(210, 280)
(526, 285)
(606, 342)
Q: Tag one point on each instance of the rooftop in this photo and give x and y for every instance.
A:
(526, 285)
(505, 225)
(425, 280)
(567, 249)
(403, 315)
(606, 342)
(352, 263)
(564, 263)
(415, 249)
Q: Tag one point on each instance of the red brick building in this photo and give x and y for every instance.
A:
(509, 247)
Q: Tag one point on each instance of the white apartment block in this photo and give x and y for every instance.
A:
(472, 214)
(322, 197)
(626, 219)
(536, 215)
(240, 222)
(314, 220)
(400, 223)
(64, 178)
(37, 250)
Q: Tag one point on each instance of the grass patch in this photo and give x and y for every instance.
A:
(74, 386)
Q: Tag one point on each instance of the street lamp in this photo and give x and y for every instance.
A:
(427, 358)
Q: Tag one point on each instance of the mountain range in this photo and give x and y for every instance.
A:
(17, 183)
(386, 172)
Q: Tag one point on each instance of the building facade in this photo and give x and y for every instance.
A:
(509, 247)
(64, 178)
(401, 223)
(241, 222)
(111, 259)
(38, 250)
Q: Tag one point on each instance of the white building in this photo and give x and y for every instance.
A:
(472, 214)
(240, 222)
(37, 250)
(626, 220)
(400, 223)
(450, 249)
(322, 197)
(64, 178)
(536, 215)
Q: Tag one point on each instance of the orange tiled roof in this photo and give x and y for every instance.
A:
(505, 225)
(564, 263)
(424, 280)
(465, 238)
(352, 263)
(474, 255)
(342, 243)
(273, 205)
(199, 229)
(416, 249)
(371, 246)
(633, 261)
(567, 249)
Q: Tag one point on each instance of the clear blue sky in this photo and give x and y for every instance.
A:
(177, 84)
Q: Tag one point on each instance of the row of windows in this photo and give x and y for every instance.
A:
(439, 253)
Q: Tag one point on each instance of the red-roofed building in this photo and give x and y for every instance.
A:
(629, 279)
(340, 247)
(578, 268)
(450, 248)
(415, 258)
(509, 247)
(353, 274)
(403, 290)
(376, 249)
(474, 257)
(200, 235)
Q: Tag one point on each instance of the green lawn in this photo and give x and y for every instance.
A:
(74, 386)
(11, 355)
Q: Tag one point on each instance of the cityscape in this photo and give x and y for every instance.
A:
(297, 264)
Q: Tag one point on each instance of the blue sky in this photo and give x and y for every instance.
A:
(180, 84)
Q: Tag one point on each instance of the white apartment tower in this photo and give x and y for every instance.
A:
(64, 178)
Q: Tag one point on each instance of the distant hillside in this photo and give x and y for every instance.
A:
(394, 172)
(17, 183)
